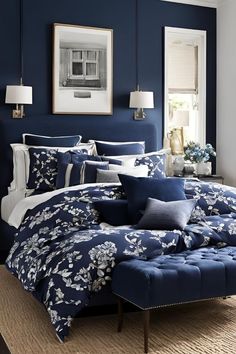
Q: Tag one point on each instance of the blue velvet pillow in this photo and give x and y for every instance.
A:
(161, 215)
(113, 212)
(139, 189)
(43, 169)
(59, 141)
(116, 149)
(156, 164)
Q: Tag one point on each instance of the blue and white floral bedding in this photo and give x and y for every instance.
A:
(62, 254)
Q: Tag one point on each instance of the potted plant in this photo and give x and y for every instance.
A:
(195, 154)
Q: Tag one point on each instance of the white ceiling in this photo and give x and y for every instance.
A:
(207, 3)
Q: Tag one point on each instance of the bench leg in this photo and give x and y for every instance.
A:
(120, 314)
(146, 322)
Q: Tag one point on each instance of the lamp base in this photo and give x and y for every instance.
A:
(18, 112)
(139, 114)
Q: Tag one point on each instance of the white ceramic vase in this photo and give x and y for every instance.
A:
(203, 168)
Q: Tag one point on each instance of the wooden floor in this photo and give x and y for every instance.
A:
(3, 346)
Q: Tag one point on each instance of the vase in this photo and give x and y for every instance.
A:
(189, 168)
(203, 168)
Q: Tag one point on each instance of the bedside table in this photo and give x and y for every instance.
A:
(211, 178)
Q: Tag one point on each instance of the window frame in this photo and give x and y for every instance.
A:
(201, 38)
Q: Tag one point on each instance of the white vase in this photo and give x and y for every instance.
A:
(204, 168)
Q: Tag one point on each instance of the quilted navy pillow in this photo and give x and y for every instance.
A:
(161, 215)
(155, 163)
(113, 212)
(116, 149)
(59, 141)
(43, 169)
(139, 189)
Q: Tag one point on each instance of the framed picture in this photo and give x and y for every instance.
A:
(82, 70)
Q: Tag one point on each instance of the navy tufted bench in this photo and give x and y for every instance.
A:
(189, 276)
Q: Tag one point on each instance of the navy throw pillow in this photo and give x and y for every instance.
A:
(113, 212)
(161, 215)
(90, 170)
(116, 149)
(70, 175)
(58, 141)
(139, 189)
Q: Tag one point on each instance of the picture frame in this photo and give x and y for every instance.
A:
(82, 70)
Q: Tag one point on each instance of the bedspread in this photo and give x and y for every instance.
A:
(62, 254)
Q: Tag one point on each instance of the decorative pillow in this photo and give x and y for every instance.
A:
(43, 169)
(113, 212)
(111, 176)
(155, 163)
(60, 141)
(119, 148)
(21, 163)
(112, 161)
(161, 215)
(89, 170)
(138, 190)
(66, 162)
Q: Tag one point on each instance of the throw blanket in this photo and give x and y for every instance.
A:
(61, 253)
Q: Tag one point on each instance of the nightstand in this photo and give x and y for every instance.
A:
(211, 178)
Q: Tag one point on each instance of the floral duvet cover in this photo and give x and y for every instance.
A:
(62, 254)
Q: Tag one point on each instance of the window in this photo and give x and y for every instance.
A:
(185, 82)
(84, 64)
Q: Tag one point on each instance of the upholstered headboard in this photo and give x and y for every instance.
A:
(11, 132)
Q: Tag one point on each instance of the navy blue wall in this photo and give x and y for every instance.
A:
(119, 15)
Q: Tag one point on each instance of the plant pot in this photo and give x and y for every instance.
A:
(203, 168)
(189, 169)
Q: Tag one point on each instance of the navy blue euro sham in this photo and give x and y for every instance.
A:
(139, 189)
(116, 149)
(51, 141)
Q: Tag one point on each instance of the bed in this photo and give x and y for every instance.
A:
(11, 131)
(65, 251)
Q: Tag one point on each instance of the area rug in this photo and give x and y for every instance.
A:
(201, 328)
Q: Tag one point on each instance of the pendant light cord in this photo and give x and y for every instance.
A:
(21, 43)
(137, 42)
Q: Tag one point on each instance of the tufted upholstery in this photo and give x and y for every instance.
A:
(183, 277)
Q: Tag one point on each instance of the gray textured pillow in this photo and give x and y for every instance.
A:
(161, 215)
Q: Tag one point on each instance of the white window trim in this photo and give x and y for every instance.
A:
(205, 3)
(202, 55)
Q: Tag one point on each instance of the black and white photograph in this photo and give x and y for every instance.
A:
(82, 70)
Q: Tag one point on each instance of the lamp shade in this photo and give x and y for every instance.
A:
(141, 99)
(18, 94)
(180, 119)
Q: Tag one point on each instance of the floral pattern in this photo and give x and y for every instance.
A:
(155, 163)
(43, 169)
(62, 254)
